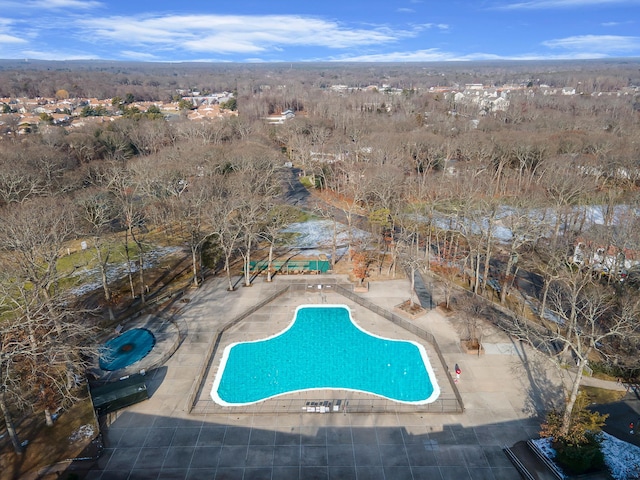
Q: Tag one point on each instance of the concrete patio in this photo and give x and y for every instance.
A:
(503, 392)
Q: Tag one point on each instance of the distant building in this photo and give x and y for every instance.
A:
(279, 119)
(597, 249)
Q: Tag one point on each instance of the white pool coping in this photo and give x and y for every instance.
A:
(423, 353)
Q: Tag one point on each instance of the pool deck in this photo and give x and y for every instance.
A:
(274, 318)
(503, 391)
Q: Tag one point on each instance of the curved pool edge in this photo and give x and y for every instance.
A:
(142, 335)
(423, 353)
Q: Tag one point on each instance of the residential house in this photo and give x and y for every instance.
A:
(209, 112)
(279, 119)
(605, 250)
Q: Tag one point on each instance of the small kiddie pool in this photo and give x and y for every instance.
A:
(324, 349)
(126, 349)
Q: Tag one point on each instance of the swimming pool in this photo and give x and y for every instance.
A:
(125, 349)
(323, 348)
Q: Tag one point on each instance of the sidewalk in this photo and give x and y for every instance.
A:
(620, 414)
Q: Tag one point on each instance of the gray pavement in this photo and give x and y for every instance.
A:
(503, 392)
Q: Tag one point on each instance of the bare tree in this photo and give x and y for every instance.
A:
(12, 346)
(149, 136)
(190, 209)
(473, 309)
(17, 186)
(564, 187)
(98, 212)
(254, 169)
(43, 320)
(125, 190)
(525, 229)
(349, 196)
(214, 132)
(250, 219)
(277, 218)
(475, 219)
(409, 255)
(583, 318)
(328, 212)
(83, 146)
(221, 217)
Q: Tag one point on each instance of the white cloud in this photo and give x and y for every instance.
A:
(616, 24)
(427, 55)
(4, 38)
(428, 26)
(8, 36)
(50, 5)
(436, 55)
(138, 55)
(548, 4)
(55, 55)
(596, 43)
(60, 4)
(405, 10)
(234, 33)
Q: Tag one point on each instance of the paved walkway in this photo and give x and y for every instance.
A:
(503, 394)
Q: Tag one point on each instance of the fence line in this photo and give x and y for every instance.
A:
(410, 327)
(198, 384)
(331, 403)
(510, 327)
(326, 402)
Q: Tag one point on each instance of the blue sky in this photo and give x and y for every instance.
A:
(330, 30)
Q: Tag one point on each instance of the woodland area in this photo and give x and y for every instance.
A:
(531, 202)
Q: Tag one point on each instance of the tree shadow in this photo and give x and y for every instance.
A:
(542, 393)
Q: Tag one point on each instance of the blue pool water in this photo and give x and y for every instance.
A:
(324, 349)
(123, 350)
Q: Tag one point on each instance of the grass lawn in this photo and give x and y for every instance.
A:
(74, 430)
(71, 434)
(602, 395)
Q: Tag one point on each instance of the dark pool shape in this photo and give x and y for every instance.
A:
(126, 349)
